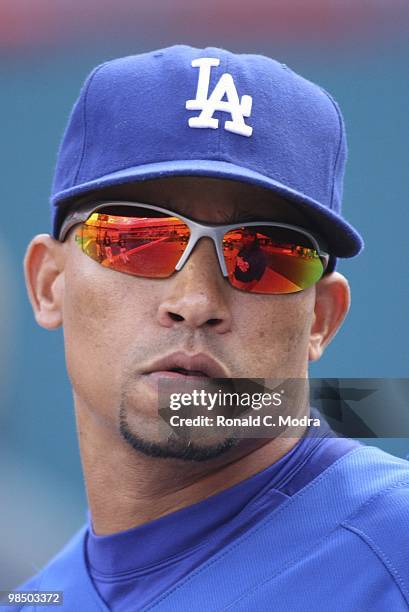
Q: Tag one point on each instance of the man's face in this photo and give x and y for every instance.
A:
(117, 326)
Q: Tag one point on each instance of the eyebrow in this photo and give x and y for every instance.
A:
(238, 214)
(241, 212)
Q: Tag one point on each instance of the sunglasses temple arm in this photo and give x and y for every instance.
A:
(69, 223)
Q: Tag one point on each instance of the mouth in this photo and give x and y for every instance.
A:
(182, 365)
(189, 373)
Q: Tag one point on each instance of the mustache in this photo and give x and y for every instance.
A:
(175, 342)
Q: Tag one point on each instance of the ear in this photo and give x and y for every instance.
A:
(332, 301)
(43, 268)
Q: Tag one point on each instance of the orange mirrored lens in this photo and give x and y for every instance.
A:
(260, 259)
(272, 260)
(148, 246)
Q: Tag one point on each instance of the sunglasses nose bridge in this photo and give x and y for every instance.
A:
(199, 231)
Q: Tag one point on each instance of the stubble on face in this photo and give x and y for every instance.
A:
(112, 330)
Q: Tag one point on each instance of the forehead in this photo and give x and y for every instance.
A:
(207, 199)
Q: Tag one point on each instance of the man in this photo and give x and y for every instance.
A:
(182, 151)
(251, 261)
(122, 251)
(108, 248)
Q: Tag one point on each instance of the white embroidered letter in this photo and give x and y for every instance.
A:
(225, 88)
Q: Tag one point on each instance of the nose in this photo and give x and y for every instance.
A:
(197, 295)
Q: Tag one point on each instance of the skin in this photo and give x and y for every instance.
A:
(115, 325)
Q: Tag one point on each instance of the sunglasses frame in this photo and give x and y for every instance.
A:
(197, 229)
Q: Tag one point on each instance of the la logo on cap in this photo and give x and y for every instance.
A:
(225, 87)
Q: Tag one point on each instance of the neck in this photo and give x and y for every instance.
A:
(125, 488)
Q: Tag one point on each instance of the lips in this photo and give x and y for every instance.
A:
(184, 372)
(187, 365)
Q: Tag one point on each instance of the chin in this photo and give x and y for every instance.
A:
(174, 446)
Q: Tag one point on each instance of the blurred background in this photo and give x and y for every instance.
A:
(356, 49)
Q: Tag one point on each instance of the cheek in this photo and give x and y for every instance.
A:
(102, 315)
(274, 338)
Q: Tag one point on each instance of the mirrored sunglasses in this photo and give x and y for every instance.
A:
(152, 242)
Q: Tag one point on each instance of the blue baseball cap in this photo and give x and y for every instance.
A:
(183, 111)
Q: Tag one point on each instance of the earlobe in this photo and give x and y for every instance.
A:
(332, 303)
(43, 268)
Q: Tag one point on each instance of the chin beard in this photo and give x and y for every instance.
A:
(174, 447)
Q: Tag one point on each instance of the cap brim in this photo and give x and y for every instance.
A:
(343, 240)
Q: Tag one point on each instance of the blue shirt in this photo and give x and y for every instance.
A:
(136, 565)
(339, 543)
